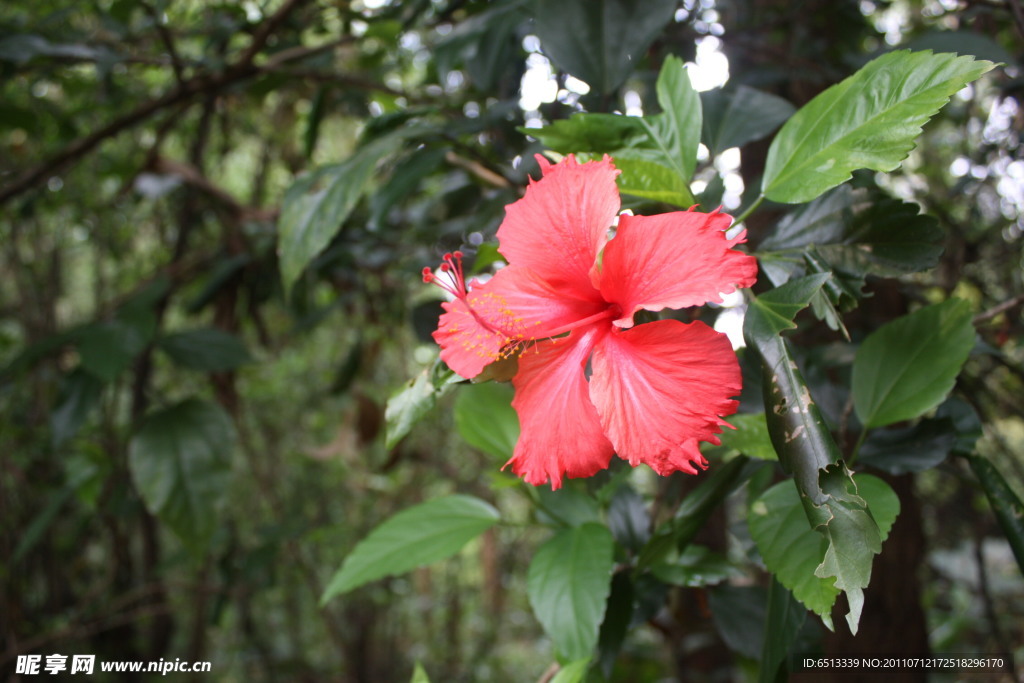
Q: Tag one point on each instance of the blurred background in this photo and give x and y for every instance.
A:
(188, 450)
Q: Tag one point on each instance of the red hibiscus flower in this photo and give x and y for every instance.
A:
(591, 384)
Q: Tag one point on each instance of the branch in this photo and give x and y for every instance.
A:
(240, 70)
(264, 30)
(999, 308)
(168, 42)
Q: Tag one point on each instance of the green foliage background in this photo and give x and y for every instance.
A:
(213, 216)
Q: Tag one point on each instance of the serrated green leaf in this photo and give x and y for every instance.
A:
(794, 553)
(485, 418)
(907, 366)
(734, 117)
(859, 233)
(772, 313)
(790, 549)
(205, 350)
(414, 537)
(822, 221)
(316, 205)
(180, 462)
(599, 41)
(869, 120)
(568, 584)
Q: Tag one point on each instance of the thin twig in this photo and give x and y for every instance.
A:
(997, 309)
(168, 41)
(477, 169)
(192, 87)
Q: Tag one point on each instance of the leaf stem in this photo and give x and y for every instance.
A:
(749, 210)
(856, 448)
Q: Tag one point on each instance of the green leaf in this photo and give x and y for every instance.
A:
(596, 133)
(655, 154)
(618, 616)
(790, 549)
(738, 614)
(205, 350)
(313, 120)
(734, 117)
(414, 537)
(869, 120)
(600, 41)
(962, 42)
(805, 561)
(646, 178)
(409, 404)
(860, 233)
(316, 205)
(404, 182)
(783, 621)
(907, 366)
(568, 584)
(486, 420)
(695, 509)
(887, 238)
(419, 674)
(798, 432)
(628, 519)
(676, 131)
(180, 462)
(695, 566)
(484, 44)
(909, 449)
(567, 506)
(822, 221)
(108, 348)
(1008, 508)
(750, 436)
(80, 393)
(573, 672)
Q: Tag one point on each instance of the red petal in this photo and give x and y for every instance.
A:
(559, 227)
(561, 432)
(535, 309)
(673, 260)
(660, 388)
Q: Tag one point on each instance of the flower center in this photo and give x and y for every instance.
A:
(492, 313)
(489, 309)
